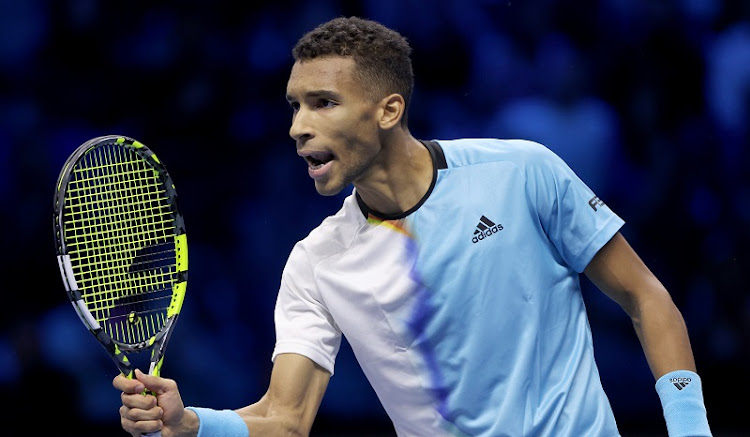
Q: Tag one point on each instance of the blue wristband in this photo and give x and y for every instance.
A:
(681, 397)
(219, 423)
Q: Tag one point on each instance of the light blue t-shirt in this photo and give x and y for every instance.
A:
(465, 312)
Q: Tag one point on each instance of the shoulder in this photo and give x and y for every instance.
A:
(333, 235)
(471, 151)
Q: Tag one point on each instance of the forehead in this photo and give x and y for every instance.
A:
(333, 73)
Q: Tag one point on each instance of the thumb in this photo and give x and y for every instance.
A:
(155, 384)
(127, 385)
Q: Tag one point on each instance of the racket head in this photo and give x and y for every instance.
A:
(121, 246)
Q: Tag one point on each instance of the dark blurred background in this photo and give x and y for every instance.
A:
(648, 101)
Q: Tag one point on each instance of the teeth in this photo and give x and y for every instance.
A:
(315, 162)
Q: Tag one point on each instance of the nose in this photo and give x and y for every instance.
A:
(300, 129)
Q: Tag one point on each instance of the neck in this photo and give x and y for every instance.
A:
(399, 179)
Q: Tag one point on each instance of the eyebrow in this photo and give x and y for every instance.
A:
(317, 94)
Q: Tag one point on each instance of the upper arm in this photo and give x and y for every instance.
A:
(292, 400)
(620, 273)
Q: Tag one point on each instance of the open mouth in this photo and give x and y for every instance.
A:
(318, 159)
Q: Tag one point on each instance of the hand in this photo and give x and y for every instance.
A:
(143, 414)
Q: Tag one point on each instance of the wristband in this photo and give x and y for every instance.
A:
(219, 423)
(681, 398)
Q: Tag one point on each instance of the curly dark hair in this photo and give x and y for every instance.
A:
(382, 55)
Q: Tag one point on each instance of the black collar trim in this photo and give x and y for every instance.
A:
(438, 163)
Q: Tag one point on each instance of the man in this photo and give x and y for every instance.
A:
(452, 269)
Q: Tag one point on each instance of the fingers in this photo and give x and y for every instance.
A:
(140, 413)
(142, 382)
(137, 427)
(139, 400)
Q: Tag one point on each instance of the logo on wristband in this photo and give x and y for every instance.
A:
(680, 383)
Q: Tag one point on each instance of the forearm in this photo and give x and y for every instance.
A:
(664, 337)
(661, 330)
(287, 409)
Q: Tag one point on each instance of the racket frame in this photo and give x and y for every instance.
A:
(157, 342)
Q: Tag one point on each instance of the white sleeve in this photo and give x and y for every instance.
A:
(303, 324)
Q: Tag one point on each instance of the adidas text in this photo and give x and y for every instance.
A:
(673, 380)
(479, 236)
(680, 383)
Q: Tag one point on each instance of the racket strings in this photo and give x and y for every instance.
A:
(147, 313)
(146, 316)
(120, 224)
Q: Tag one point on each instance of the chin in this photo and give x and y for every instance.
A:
(324, 190)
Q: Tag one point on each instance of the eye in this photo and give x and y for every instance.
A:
(325, 104)
(294, 106)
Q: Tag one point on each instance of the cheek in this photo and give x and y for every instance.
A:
(353, 126)
(367, 128)
(354, 130)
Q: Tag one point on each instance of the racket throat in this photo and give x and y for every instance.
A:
(154, 367)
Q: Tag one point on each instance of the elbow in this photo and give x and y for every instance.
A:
(289, 428)
(657, 302)
(291, 425)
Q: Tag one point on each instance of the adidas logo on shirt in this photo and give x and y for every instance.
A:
(680, 383)
(485, 228)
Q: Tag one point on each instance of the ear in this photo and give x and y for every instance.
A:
(391, 111)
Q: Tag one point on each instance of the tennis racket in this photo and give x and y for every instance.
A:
(122, 248)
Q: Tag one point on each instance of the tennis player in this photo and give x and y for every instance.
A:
(452, 269)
